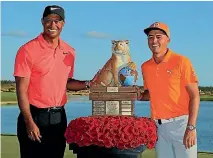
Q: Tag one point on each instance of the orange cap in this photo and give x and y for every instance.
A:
(159, 26)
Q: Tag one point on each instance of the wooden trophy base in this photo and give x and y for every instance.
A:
(113, 100)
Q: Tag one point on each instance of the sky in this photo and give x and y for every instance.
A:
(90, 27)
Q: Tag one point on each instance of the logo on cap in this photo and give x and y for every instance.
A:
(156, 24)
(53, 8)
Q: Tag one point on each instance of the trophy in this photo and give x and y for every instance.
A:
(113, 92)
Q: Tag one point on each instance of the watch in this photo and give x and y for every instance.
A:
(87, 83)
(191, 127)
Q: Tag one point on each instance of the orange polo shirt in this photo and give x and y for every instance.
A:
(48, 70)
(166, 83)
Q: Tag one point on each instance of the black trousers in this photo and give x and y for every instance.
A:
(53, 142)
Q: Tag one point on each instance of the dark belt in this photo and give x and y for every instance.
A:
(50, 109)
(159, 121)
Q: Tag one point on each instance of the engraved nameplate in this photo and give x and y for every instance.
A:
(126, 106)
(126, 102)
(98, 106)
(129, 109)
(98, 109)
(126, 113)
(98, 102)
(112, 107)
(98, 113)
(112, 89)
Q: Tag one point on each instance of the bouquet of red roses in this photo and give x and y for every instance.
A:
(122, 132)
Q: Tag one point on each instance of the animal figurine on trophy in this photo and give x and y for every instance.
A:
(111, 74)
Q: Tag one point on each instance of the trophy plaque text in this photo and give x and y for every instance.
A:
(112, 100)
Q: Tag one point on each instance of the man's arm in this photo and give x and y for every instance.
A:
(76, 85)
(190, 135)
(22, 84)
(190, 80)
(194, 102)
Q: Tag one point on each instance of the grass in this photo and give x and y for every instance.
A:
(10, 149)
(8, 96)
(206, 97)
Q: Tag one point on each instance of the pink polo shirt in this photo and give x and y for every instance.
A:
(48, 70)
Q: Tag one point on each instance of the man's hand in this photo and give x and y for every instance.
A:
(189, 138)
(33, 131)
(92, 82)
(142, 95)
(139, 93)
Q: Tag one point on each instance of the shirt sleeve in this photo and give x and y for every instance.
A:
(71, 73)
(23, 64)
(188, 72)
(144, 81)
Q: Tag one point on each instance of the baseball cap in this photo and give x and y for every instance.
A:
(158, 26)
(54, 9)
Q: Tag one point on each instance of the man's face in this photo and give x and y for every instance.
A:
(158, 42)
(53, 25)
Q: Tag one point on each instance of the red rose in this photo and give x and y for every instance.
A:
(133, 144)
(127, 145)
(78, 137)
(151, 144)
(106, 130)
(86, 142)
(115, 122)
(135, 131)
(127, 129)
(150, 131)
(120, 146)
(113, 131)
(116, 138)
(107, 143)
(124, 137)
(100, 137)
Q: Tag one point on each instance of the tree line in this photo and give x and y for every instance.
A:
(206, 88)
(7, 82)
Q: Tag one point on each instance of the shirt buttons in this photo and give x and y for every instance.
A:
(157, 71)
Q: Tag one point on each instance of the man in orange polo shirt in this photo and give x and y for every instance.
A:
(43, 71)
(171, 85)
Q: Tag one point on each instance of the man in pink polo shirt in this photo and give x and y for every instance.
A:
(43, 71)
